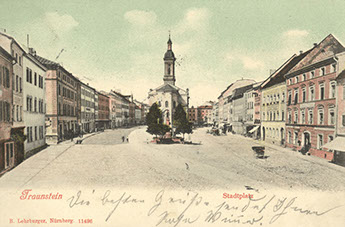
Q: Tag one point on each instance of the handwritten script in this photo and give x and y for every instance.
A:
(193, 208)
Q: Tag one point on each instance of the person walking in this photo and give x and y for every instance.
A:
(123, 139)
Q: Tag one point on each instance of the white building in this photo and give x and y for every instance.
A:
(168, 96)
(35, 104)
(87, 108)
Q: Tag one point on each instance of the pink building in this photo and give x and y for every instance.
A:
(311, 104)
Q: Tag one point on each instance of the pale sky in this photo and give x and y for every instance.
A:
(121, 44)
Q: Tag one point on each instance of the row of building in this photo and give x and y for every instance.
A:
(201, 115)
(41, 102)
(301, 105)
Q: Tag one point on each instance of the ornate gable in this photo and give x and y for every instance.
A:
(327, 48)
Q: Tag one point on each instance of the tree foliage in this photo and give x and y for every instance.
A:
(181, 122)
(154, 121)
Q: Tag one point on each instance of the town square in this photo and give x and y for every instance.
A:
(162, 113)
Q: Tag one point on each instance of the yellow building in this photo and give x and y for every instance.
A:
(273, 105)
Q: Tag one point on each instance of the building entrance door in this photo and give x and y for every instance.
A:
(9, 155)
(306, 145)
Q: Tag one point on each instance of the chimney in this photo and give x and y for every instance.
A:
(301, 52)
(27, 40)
(315, 44)
(32, 51)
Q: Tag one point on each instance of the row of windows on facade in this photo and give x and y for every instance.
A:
(295, 140)
(103, 116)
(34, 106)
(67, 110)
(274, 133)
(85, 115)
(307, 115)
(273, 98)
(67, 93)
(310, 96)
(87, 103)
(68, 79)
(250, 105)
(273, 116)
(87, 93)
(17, 84)
(5, 77)
(34, 135)
(5, 111)
(17, 57)
(36, 78)
(167, 104)
(250, 95)
(104, 108)
(18, 113)
(310, 75)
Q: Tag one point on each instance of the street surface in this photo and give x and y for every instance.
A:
(213, 162)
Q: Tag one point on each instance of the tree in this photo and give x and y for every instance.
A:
(181, 122)
(154, 121)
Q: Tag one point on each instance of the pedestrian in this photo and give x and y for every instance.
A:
(127, 140)
(71, 134)
(123, 139)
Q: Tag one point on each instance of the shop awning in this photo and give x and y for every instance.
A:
(254, 129)
(337, 144)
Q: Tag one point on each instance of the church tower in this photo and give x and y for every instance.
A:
(169, 65)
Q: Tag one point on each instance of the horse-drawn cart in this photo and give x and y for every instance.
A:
(259, 151)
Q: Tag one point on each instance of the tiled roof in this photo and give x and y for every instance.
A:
(46, 62)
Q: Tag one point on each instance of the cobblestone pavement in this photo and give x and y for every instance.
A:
(212, 162)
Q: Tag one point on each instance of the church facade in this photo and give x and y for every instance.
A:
(168, 95)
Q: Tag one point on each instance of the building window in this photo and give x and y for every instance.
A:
(295, 138)
(332, 89)
(302, 116)
(304, 94)
(289, 98)
(322, 91)
(311, 116)
(312, 74)
(35, 79)
(295, 116)
(320, 116)
(319, 141)
(304, 77)
(20, 85)
(296, 96)
(289, 117)
(283, 116)
(311, 93)
(322, 71)
(289, 137)
(334, 68)
(331, 116)
(297, 79)
(330, 138)
(35, 132)
(17, 83)
(290, 81)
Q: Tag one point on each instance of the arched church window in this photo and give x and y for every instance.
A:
(169, 70)
(166, 104)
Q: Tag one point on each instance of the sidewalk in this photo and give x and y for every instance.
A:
(25, 171)
(309, 158)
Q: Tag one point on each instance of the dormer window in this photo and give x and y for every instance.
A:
(322, 71)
